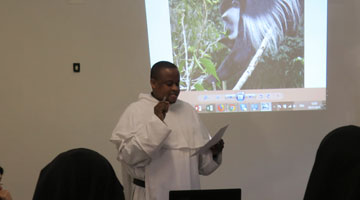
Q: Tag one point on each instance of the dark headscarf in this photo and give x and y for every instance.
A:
(78, 174)
(336, 171)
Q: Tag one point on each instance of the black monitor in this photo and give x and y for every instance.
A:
(219, 194)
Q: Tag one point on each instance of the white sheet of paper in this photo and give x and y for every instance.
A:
(212, 142)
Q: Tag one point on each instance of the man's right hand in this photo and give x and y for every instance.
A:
(161, 109)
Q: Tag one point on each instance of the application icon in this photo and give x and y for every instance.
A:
(198, 108)
(240, 96)
(254, 107)
(266, 106)
(210, 108)
(243, 107)
(221, 107)
(232, 107)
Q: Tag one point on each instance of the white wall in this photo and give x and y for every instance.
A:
(45, 108)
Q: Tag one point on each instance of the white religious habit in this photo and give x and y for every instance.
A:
(160, 152)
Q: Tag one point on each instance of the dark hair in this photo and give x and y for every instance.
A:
(1, 170)
(157, 67)
(336, 171)
(78, 174)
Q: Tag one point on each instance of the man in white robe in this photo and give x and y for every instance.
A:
(156, 137)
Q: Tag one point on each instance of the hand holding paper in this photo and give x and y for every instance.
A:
(217, 148)
(216, 143)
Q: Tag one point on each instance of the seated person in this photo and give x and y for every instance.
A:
(4, 194)
(336, 171)
(78, 174)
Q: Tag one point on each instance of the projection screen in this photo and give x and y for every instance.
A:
(243, 56)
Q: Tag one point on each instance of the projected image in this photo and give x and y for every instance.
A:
(238, 44)
(243, 55)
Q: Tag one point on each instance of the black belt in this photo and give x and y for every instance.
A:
(139, 182)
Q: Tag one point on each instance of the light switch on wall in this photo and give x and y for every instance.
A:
(76, 67)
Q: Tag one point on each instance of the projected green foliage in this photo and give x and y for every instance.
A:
(196, 30)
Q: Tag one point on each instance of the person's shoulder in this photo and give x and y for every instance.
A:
(144, 101)
(183, 105)
(134, 104)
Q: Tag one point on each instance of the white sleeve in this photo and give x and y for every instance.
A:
(208, 164)
(137, 141)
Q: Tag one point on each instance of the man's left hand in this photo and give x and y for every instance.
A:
(217, 148)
